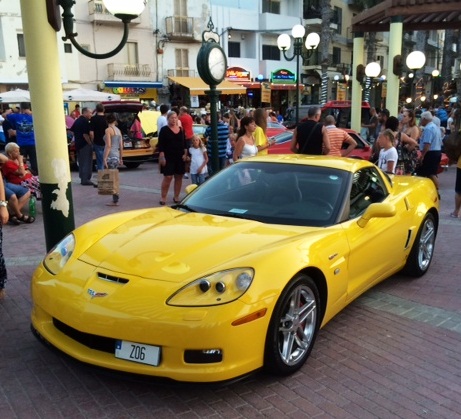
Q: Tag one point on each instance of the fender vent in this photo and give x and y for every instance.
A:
(112, 278)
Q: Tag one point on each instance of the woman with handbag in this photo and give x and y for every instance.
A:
(406, 148)
(112, 157)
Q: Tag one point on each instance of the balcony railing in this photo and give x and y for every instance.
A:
(98, 13)
(129, 72)
(181, 72)
(182, 28)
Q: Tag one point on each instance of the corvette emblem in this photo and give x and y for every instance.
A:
(94, 294)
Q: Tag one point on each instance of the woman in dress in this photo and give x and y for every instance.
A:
(172, 156)
(112, 156)
(246, 142)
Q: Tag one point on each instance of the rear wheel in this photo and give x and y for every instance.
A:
(422, 251)
(293, 328)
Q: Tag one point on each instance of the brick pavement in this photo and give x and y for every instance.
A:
(393, 353)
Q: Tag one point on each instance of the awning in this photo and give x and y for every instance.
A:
(197, 86)
(135, 84)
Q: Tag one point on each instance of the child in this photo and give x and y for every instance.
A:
(230, 148)
(199, 160)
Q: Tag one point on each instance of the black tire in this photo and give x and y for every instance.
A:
(293, 327)
(421, 253)
(131, 164)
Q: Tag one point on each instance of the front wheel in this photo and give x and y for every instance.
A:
(293, 327)
(420, 257)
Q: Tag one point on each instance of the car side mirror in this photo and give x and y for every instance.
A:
(377, 210)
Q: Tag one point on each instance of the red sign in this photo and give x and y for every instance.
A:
(237, 74)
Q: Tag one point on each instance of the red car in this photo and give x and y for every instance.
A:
(274, 128)
(362, 151)
(283, 140)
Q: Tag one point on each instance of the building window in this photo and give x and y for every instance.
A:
(271, 52)
(68, 48)
(182, 62)
(336, 55)
(271, 6)
(21, 45)
(233, 49)
(338, 18)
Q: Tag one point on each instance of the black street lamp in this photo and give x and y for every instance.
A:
(125, 10)
(212, 67)
(311, 44)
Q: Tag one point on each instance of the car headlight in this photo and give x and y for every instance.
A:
(218, 288)
(58, 256)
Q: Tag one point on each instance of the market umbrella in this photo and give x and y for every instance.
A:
(15, 96)
(87, 95)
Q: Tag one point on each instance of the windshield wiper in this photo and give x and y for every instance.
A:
(183, 207)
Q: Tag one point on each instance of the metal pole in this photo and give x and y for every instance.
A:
(44, 71)
(214, 95)
(297, 85)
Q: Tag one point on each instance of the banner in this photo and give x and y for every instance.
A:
(265, 93)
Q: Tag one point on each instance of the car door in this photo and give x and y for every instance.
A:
(376, 248)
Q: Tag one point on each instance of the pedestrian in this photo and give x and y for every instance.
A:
(337, 138)
(84, 146)
(98, 125)
(246, 141)
(113, 151)
(430, 146)
(455, 213)
(172, 157)
(260, 134)
(371, 125)
(3, 220)
(223, 135)
(162, 119)
(311, 137)
(388, 156)
(22, 127)
(187, 122)
(198, 161)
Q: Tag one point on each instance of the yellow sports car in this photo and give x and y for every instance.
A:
(238, 276)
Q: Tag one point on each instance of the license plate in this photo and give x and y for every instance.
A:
(137, 352)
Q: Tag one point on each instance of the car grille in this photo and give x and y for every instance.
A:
(91, 341)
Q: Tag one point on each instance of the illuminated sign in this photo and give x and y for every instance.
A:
(283, 76)
(237, 74)
(129, 90)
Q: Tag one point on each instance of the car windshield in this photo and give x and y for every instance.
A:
(274, 193)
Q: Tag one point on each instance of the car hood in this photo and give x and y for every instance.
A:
(169, 245)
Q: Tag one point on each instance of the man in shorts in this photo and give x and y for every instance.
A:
(430, 146)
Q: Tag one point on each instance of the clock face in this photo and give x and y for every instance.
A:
(217, 64)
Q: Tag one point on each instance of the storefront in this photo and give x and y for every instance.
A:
(190, 91)
(143, 91)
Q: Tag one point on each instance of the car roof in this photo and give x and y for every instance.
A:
(123, 106)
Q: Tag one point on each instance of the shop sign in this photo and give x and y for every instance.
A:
(129, 91)
(283, 76)
(237, 74)
(265, 92)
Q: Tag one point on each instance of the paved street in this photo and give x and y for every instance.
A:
(394, 353)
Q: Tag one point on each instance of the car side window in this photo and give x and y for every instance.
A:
(367, 188)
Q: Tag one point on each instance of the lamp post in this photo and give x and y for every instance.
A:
(311, 44)
(43, 64)
(415, 61)
(372, 70)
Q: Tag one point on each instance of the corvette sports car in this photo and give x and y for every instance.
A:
(237, 277)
